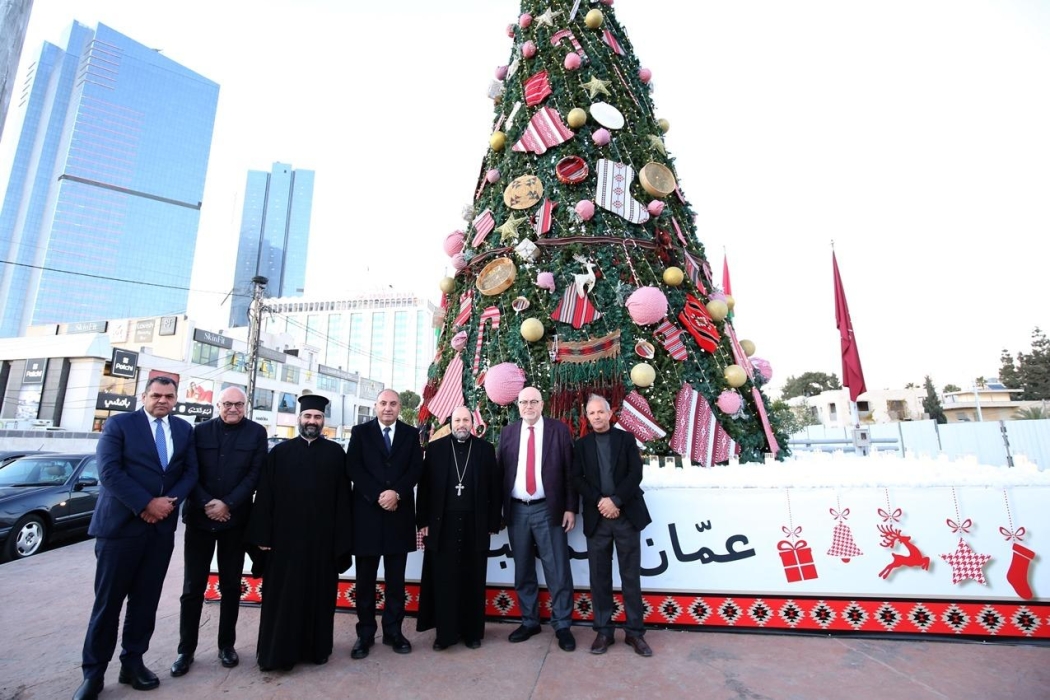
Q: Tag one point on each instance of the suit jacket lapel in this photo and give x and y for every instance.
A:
(146, 424)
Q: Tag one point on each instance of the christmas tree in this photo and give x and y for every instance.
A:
(580, 270)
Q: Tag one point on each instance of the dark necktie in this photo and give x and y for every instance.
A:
(386, 438)
(530, 462)
(162, 444)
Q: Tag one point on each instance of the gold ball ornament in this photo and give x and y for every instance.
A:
(730, 301)
(643, 374)
(594, 19)
(531, 329)
(735, 376)
(577, 117)
(446, 285)
(674, 276)
(718, 309)
(748, 347)
(664, 125)
(498, 140)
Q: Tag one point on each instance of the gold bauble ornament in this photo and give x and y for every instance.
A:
(594, 19)
(674, 276)
(498, 140)
(446, 285)
(730, 301)
(532, 329)
(664, 125)
(735, 376)
(748, 347)
(643, 374)
(577, 117)
(718, 309)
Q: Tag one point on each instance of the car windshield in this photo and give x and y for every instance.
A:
(36, 472)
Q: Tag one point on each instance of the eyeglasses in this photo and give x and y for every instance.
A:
(229, 404)
(530, 402)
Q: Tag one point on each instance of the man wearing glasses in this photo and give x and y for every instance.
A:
(539, 508)
(230, 452)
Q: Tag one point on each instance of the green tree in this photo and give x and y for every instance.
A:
(1032, 413)
(793, 418)
(912, 385)
(1008, 373)
(410, 401)
(809, 384)
(931, 403)
(1034, 368)
(948, 388)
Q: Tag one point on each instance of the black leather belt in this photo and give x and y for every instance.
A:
(529, 502)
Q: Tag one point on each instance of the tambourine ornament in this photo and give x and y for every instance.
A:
(657, 179)
(496, 277)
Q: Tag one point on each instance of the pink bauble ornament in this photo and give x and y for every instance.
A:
(545, 280)
(718, 296)
(762, 367)
(459, 341)
(501, 72)
(655, 207)
(646, 305)
(645, 75)
(607, 2)
(492, 176)
(572, 61)
(510, 30)
(503, 382)
(528, 49)
(453, 243)
(601, 137)
(458, 261)
(585, 209)
(729, 402)
(525, 20)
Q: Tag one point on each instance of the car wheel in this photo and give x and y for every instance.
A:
(26, 538)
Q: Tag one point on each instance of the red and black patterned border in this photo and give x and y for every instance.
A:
(989, 620)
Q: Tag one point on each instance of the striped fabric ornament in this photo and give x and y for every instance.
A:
(483, 224)
(762, 416)
(739, 356)
(466, 302)
(585, 351)
(612, 43)
(489, 314)
(637, 418)
(450, 394)
(545, 216)
(575, 308)
(694, 430)
(698, 322)
(670, 336)
(724, 446)
(545, 130)
(537, 88)
(692, 269)
(614, 181)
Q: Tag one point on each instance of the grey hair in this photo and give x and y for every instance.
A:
(598, 397)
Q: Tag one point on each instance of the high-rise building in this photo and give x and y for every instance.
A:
(388, 336)
(275, 230)
(103, 202)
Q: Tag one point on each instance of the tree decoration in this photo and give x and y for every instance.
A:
(748, 347)
(729, 402)
(718, 310)
(763, 368)
(509, 230)
(447, 285)
(501, 72)
(545, 280)
(664, 125)
(532, 329)
(492, 176)
(730, 302)
(525, 20)
(594, 19)
(572, 61)
(527, 250)
(454, 243)
(523, 192)
(596, 85)
(585, 209)
(735, 376)
(647, 305)
(497, 141)
(537, 88)
(643, 375)
(547, 18)
(503, 382)
(657, 179)
(575, 306)
(612, 193)
(657, 144)
(601, 137)
(545, 131)
(645, 75)
(528, 49)
(673, 276)
(655, 208)
(577, 117)
(607, 115)
(459, 261)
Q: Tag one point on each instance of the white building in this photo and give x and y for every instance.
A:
(832, 407)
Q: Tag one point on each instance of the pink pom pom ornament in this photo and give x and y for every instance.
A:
(646, 305)
(503, 382)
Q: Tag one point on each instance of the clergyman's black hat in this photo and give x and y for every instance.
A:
(312, 402)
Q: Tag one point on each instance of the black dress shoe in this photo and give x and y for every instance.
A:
(399, 644)
(601, 644)
(89, 689)
(140, 677)
(320, 660)
(565, 639)
(438, 646)
(522, 633)
(361, 647)
(473, 643)
(639, 645)
(228, 657)
(182, 665)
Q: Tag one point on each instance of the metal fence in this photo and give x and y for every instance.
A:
(996, 443)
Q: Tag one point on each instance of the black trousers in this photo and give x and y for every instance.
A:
(197, 555)
(394, 608)
(459, 581)
(625, 536)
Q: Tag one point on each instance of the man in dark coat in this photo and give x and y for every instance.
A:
(384, 461)
(301, 521)
(607, 472)
(539, 508)
(147, 467)
(458, 506)
(230, 453)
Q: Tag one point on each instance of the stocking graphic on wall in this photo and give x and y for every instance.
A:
(842, 544)
(967, 565)
(1021, 564)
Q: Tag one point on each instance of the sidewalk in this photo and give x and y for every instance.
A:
(46, 601)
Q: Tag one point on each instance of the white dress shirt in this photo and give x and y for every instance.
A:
(519, 479)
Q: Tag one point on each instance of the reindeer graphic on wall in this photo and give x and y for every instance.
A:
(890, 537)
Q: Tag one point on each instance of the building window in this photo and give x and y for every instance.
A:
(287, 404)
(327, 383)
(205, 354)
(290, 374)
(263, 400)
(833, 412)
(862, 406)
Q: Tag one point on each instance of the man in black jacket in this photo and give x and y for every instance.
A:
(230, 452)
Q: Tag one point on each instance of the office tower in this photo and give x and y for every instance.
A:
(275, 230)
(14, 18)
(106, 183)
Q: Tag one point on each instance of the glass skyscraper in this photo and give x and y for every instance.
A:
(275, 230)
(103, 202)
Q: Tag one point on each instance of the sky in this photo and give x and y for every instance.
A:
(912, 133)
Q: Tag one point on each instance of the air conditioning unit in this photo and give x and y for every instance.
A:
(39, 423)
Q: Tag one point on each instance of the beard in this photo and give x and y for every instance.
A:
(461, 434)
(310, 430)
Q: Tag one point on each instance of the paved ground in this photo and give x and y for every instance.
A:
(44, 605)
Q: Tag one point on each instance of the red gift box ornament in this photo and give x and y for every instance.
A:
(797, 559)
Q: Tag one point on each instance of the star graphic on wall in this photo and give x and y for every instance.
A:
(547, 17)
(657, 143)
(509, 230)
(966, 564)
(596, 85)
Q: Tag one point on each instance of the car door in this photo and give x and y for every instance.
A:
(83, 494)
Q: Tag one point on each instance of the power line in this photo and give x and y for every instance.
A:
(120, 279)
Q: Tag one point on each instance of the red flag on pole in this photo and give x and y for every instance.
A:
(852, 374)
(726, 288)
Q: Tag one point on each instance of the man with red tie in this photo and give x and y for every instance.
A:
(539, 508)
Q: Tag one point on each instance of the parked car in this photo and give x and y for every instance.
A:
(11, 455)
(42, 497)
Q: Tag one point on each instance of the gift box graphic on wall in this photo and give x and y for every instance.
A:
(797, 559)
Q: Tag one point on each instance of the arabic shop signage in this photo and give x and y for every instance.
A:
(83, 327)
(192, 410)
(35, 369)
(115, 402)
(208, 338)
(337, 373)
(124, 363)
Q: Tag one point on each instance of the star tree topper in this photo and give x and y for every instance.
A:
(596, 85)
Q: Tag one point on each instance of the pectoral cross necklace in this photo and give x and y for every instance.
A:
(459, 474)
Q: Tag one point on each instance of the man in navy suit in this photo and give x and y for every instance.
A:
(147, 466)
(385, 462)
(539, 508)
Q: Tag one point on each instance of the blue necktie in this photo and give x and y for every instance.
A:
(162, 445)
(386, 438)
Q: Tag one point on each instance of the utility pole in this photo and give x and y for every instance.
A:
(255, 312)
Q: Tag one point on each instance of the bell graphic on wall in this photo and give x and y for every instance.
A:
(842, 544)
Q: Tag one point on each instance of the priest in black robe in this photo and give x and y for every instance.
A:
(458, 506)
(301, 523)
